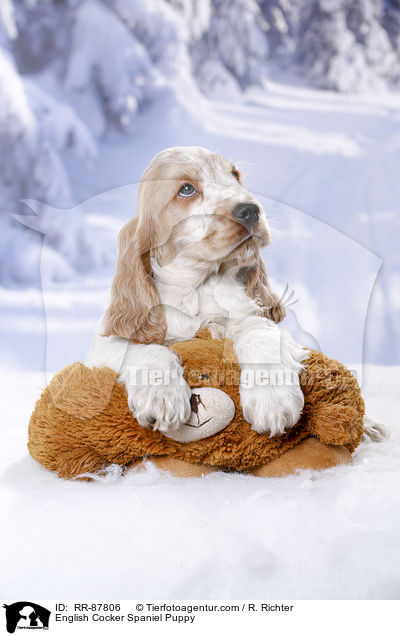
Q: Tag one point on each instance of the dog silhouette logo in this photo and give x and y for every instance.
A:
(26, 615)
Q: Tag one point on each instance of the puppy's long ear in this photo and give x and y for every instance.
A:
(258, 287)
(135, 311)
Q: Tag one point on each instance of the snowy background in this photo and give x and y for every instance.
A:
(304, 96)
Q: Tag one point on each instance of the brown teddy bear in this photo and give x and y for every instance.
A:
(82, 423)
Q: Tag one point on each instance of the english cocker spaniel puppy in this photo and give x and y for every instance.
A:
(190, 259)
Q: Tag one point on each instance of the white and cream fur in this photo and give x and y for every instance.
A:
(184, 263)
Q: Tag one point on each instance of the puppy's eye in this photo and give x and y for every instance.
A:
(187, 190)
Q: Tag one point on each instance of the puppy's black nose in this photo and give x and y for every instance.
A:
(246, 213)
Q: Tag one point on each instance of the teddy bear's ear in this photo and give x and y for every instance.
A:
(258, 287)
(81, 392)
(335, 424)
(201, 352)
(204, 334)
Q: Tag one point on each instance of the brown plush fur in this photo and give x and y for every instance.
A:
(82, 422)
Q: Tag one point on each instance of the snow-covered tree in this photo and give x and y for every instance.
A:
(229, 51)
(343, 45)
(35, 129)
(68, 72)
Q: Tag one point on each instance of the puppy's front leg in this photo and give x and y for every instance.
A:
(270, 363)
(157, 392)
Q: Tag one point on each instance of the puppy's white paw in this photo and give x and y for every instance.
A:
(158, 394)
(161, 407)
(272, 409)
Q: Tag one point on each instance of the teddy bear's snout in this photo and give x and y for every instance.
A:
(212, 411)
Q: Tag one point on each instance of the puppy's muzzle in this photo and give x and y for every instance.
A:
(246, 213)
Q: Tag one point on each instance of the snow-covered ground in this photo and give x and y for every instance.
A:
(335, 160)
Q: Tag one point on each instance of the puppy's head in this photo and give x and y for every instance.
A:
(199, 208)
(192, 206)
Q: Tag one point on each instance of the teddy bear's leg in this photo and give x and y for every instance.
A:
(310, 453)
(81, 461)
(181, 468)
